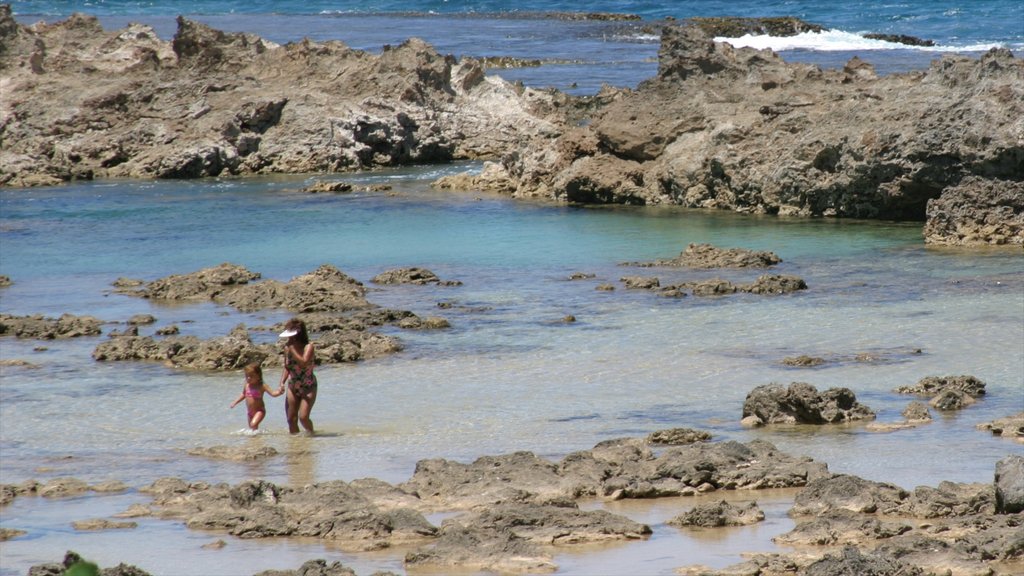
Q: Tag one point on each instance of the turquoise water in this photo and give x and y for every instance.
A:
(508, 375)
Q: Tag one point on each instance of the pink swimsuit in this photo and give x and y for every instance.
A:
(256, 394)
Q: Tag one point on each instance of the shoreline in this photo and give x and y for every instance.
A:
(579, 557)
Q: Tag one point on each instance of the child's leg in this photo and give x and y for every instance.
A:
(258, 417)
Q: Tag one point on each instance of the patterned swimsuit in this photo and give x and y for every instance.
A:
(301, 381)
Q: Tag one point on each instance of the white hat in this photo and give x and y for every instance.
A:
(289, 333)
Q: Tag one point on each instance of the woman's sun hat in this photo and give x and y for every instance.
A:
(289, 333)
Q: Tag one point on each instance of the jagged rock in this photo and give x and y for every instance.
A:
(616, 469)
(978, 211)
(900, 39)
(640, 282)
(847, 492)
(801, 403)
(142, 319)
(916, 412)
(853, 561)
(719, 514)
(1009, 427)
(236, 350)
(742, 130)
(933, 385)
(258, 509)
(775, 284)
(261, 107)
(1009, 482)
(412, 275)
(803, 361)
(708, 256)
(41, 328)
(678, 436)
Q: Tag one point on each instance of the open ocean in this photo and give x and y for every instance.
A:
(508, 375)
(580, 56)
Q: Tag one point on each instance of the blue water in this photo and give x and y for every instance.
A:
(508, 375)
(579, 56)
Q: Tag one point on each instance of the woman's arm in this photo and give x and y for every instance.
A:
(307, 355)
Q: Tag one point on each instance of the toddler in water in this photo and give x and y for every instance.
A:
(252, 393)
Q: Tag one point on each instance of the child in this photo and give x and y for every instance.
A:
(252, 393)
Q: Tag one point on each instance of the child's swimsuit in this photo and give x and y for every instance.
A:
(301, 381)
(257, 395)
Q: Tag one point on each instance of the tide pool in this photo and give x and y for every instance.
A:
(508, 375)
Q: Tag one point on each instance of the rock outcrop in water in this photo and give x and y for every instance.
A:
(80, 102)
(801, 403)
(718, 127)
(739, 129)
(332, 304)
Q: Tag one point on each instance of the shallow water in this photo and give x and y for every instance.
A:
(509, 375)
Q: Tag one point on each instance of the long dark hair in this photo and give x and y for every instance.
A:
(300, 327)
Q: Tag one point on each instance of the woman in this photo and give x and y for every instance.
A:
(298, 373)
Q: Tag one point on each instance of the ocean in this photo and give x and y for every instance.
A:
(508, 375)
(579, 56)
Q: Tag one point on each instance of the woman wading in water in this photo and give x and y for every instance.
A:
(298, 375)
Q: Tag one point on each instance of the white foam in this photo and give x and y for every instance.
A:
(837, 40)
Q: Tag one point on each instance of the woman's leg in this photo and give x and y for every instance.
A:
(291, 411)
(305, 407)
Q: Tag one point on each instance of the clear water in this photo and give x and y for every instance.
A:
(507, 376)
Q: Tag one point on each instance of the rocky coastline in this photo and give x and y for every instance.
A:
(718, 127)
(512, 512)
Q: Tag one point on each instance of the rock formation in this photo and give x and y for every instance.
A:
(801, 403)
(211, 103)
(740, 129)
(718, 127)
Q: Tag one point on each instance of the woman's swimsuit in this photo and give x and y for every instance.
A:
(301, 381)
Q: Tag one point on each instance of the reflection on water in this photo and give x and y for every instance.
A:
(301, 460)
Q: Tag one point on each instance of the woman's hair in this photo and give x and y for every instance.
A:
(300, 327)
(254, 369)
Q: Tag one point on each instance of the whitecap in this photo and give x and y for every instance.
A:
(838, 40)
